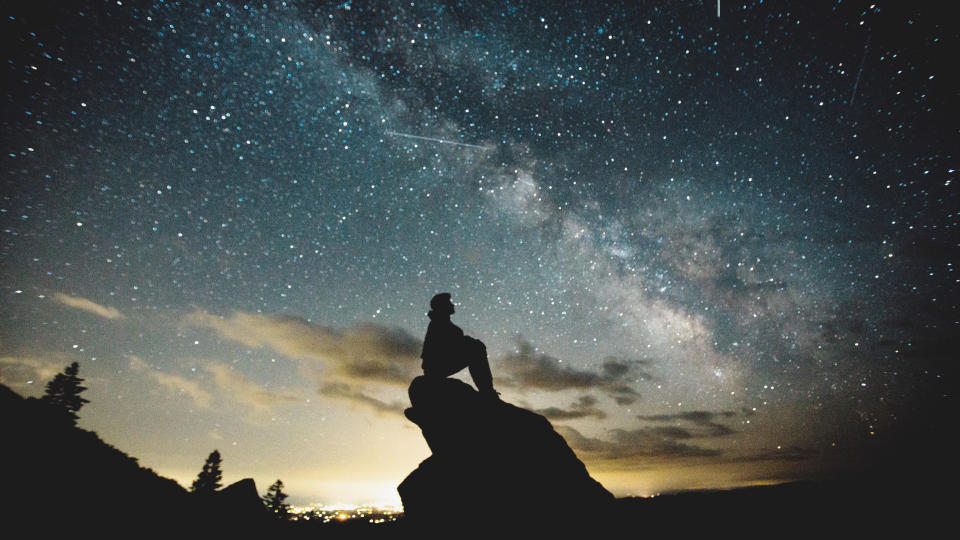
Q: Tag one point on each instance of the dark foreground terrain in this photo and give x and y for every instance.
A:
(59, 479)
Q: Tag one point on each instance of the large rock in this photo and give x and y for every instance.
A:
(503, 466)
(234, 510)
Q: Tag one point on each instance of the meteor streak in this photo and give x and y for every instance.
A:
(442, 141)
(863, 59)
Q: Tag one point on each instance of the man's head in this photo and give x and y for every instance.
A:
(441, 304)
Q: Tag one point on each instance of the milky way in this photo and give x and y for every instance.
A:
(714, 247)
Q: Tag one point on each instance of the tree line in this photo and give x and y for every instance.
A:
(62, 394)
(208, 481)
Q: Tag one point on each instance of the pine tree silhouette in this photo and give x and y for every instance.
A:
(63, 392)
(274, 500)
(209, 478)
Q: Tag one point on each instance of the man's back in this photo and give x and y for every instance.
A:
(443, 341)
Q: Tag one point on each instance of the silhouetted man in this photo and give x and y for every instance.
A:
(446, 350)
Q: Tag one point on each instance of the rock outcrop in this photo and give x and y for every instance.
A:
(503, 466)
(236, 510)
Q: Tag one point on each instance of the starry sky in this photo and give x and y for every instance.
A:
(714, 244)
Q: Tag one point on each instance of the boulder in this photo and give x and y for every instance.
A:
(503, 465)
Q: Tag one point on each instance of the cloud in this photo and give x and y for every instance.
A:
(613, 368)
(242, 389)
(23, 371)
(361, 352)
(585, 406)
(581, 443)
(347, 392)
(342, 363)
(658, 441)
(88, 306)
(174, 383)
(528, 369)
(791, 453)
(657, 447)
(531, 369)
(626, 445)
(697, 424)
(225, 379)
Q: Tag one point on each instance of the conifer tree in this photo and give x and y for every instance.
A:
(274, 500)
(209, 478)
(64, 392)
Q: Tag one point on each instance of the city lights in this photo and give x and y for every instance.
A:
(373, 514)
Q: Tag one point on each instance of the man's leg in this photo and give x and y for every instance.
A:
(449, 366)
(480, 368)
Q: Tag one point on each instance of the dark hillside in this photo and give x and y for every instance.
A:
(59, 478)
(858, 507)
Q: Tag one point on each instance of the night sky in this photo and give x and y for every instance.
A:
(714, 247)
